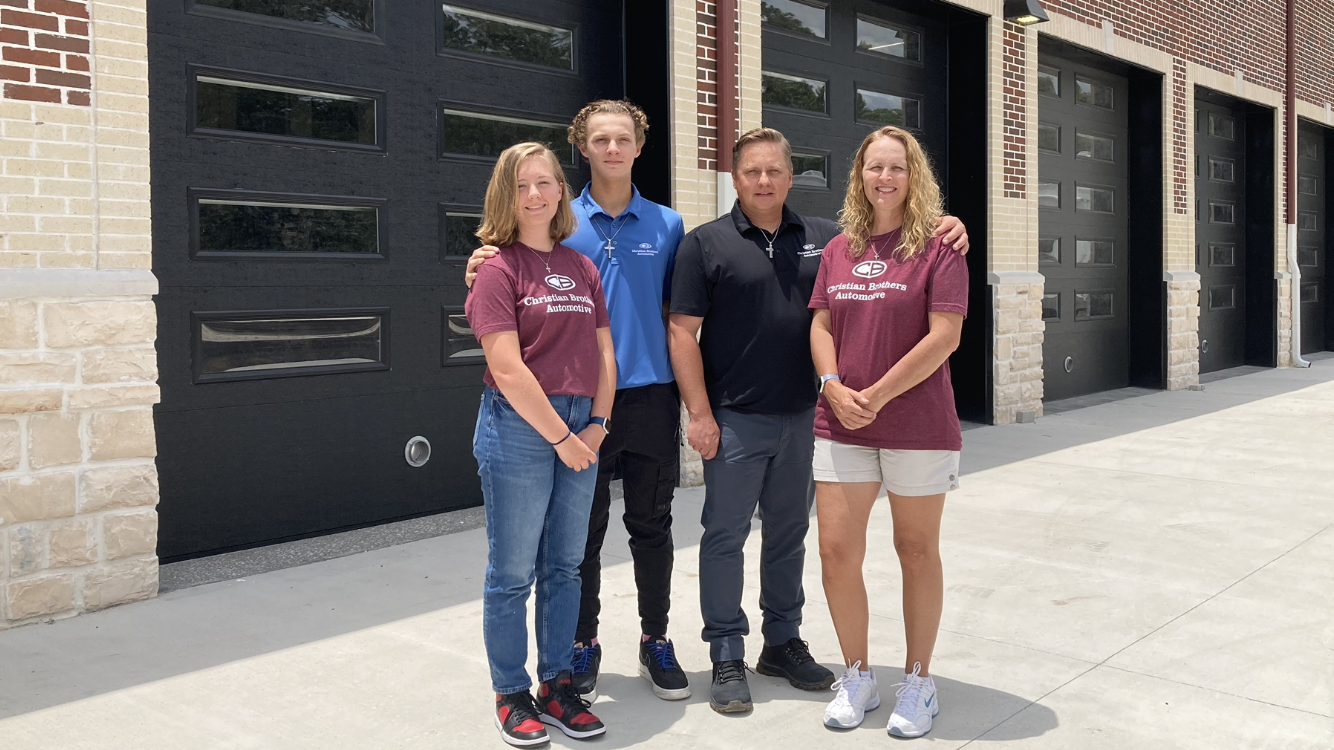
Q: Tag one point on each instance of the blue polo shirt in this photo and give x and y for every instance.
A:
(636, 278)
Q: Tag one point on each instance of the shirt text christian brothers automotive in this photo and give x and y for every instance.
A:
(556, 314)
(879, 310)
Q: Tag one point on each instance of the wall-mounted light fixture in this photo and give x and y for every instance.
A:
(1025, 12)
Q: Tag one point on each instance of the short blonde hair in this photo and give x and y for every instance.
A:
(577, 133)
(761, 135)
(500, 212)
(921, 211)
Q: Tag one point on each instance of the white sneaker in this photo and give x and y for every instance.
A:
(856, 696)
(917, 704)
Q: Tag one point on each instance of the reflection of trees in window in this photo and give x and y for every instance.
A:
(272, 111)
(488, 135)
(353, 15)
(797, 93)
(789, 20)
(241, 228)
(485, 34)
(461, 233)
(888, 109)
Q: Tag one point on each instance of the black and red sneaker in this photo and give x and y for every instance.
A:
(518, 720)
(560, 704)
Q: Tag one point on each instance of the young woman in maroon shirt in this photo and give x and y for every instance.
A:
(889, 305)
(539, 311)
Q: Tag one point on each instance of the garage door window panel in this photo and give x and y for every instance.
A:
(1306, 184)
(458, 231)
(810, 170)
(882, 38)
(1093, 305)
(877, 108)
(1049, 195)
(1095, 252)
(1221, 126)
(350, 19)
(1093, 93)
(238, 105)
(1095, 199)
(1222, 297)
(1310, 292)
(793, 92)
(1051, 306)
(1093, 146)
(269, 344)
(1308, 257)
(1049, 251)
(1222, 255)
(1222, 213)
(1049, 138)
(1049, 81)
(807, 19)
(466, 133)
(1222, 170)
(1308, 221)
(1307, 148)
(268, 226)
(473, 32)
(460, 345)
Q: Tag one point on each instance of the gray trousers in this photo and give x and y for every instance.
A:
(764, 459)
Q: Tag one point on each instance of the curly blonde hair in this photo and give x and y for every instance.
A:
(500, 211)
(577, 133)
(921, 211)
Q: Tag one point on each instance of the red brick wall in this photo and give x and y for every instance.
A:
(1315, 51)
(706, 82)
(1015, 123)
(44, 51)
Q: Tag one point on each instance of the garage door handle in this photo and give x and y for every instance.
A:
(1204, 346)
(1069, 364)
(417, 452)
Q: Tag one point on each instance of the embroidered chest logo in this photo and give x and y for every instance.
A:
(560, 283)
(870, 269)
(645, 248)
(808, 251)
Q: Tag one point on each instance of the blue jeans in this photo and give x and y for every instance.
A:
(536, 525)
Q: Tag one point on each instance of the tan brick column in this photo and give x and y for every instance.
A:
(78, 371)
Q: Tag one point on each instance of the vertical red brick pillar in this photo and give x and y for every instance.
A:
(44, 57)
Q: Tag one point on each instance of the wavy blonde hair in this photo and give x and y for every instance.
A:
(500, 212)
(921, 211)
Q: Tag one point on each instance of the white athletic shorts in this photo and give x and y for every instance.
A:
(904, 473)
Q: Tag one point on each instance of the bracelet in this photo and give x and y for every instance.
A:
(568, 433)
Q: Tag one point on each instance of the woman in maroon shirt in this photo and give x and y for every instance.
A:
(539, 312)
(889, 305)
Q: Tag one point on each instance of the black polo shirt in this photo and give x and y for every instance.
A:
(756, 336)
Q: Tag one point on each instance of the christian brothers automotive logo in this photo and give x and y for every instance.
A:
(560, 283)
(869, 269)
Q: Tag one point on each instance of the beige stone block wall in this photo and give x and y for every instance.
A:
(78, 370)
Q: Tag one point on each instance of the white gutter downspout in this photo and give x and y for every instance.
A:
(1290, 116)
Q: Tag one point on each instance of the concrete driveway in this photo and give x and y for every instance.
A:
(1153, 572)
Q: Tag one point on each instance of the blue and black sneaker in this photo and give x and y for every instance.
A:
(657, 664)
(587, 659)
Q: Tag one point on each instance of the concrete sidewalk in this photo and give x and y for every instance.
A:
(1153, 572)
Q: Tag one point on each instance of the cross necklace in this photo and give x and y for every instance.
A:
(611, 241)
(546, 261)
(770, 240)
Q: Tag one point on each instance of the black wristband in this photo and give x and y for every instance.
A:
(568, 433)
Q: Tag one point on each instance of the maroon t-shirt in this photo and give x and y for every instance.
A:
(556, 314)
(878, 311)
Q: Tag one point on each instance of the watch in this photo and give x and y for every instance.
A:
(825, 379)
(601, 422)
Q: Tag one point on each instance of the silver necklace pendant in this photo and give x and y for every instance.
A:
(610, 246)
(771, 251)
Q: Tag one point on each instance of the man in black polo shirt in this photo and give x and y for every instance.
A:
(742, 284)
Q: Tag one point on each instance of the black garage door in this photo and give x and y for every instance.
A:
(1312, 253)
(1083, 237)
(835, 72)
(1220, 233)
(317, 171)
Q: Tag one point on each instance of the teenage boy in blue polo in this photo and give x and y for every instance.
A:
(633, 242)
